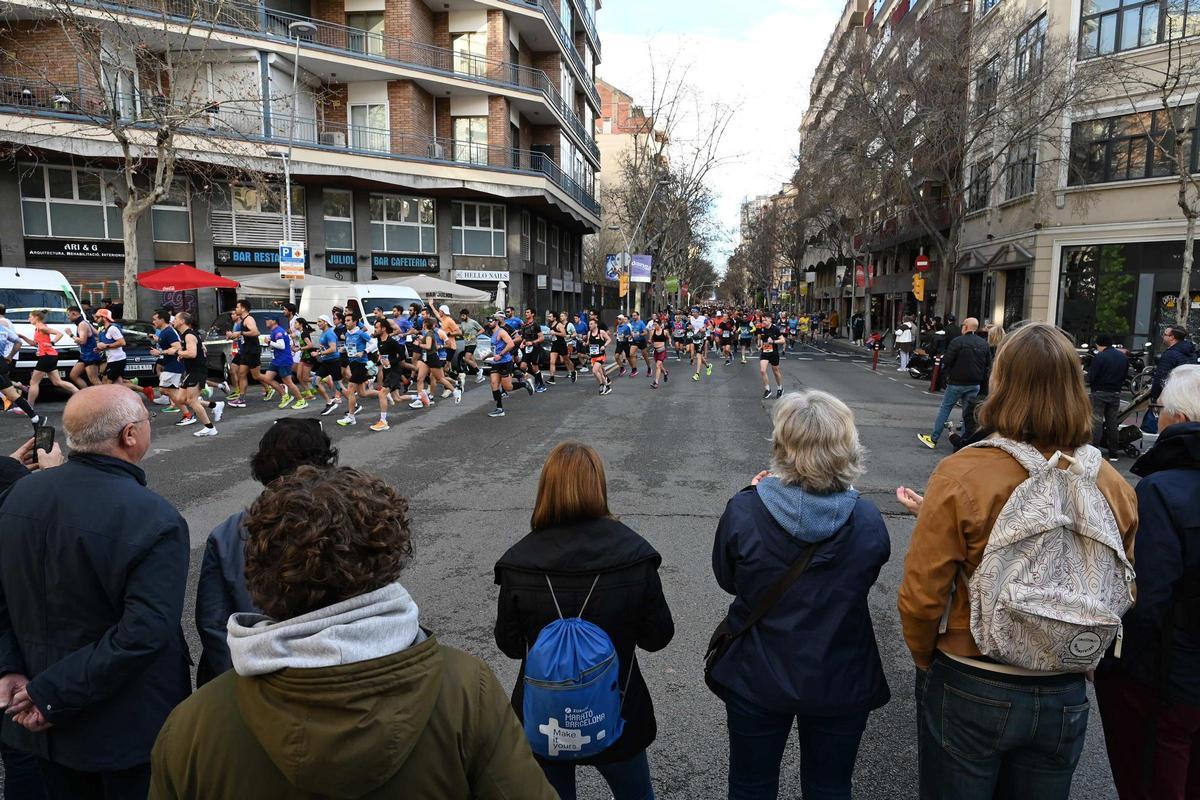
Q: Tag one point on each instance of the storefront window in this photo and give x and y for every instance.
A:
(171, 216)
(1098, 292)
(478, 230)
(66, 202)
(339, 219)
(402, 224)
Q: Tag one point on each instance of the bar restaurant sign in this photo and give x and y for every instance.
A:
(75, 249)
(247, 256)
(404, 262)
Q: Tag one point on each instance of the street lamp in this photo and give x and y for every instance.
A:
(629, 240)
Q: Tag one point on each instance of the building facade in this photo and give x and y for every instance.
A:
(456, 139)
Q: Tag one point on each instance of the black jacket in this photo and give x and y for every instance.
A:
(1108, 370)
(628, 604)
(966, 361)
(220, 592)
(1167, 558)
(93, 567)
(1179, 353)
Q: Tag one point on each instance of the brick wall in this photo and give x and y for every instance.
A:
(526, 141)
(445, 129)
(441, 29)
(335, 101)
(409, 110)
(41, 51)
(546, 135)
(550, 64)
(410, 20)
(499, 135)
(497, 43)
(524, 54)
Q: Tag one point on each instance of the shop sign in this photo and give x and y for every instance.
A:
(291, 260)
(541, 281)
(404, 262)
(556, 284)
(484, 275)
(75, 249)
(341, 259)
(246, 256)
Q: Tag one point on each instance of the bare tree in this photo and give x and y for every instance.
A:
(135, 83)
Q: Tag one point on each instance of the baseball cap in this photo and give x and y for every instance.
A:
(499, 315)
(444, 309)
(328, 320)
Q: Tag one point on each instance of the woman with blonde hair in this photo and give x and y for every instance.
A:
(988, 728)
(800, 550)
(578, 557)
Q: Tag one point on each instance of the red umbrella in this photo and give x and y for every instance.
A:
(180, 277)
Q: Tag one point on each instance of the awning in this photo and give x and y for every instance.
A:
(182, 277)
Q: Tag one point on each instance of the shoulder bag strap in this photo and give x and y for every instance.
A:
(778, 590)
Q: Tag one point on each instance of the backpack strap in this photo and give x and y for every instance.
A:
(585, 600)
(1025, 454)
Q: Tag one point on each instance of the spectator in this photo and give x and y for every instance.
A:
(287, 445)
(857, 327)
(1106, 376)
(995, 335)
(965, 367)
(1179, 351)
(337, 691)
(812, 659)
(1155, 684)
(981, 724)
(92, 570)
(573, 540)
(905, 335)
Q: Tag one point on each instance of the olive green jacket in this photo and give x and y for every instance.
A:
(427, 723)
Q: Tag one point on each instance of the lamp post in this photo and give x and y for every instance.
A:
(630, 240)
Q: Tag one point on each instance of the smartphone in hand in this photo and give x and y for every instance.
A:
(43, 439)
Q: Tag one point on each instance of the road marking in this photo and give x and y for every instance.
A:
(890, 378)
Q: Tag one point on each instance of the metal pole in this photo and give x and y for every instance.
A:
(295, 29)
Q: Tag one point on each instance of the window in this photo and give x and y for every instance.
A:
(253, 200)
(478, 229)
(366, 35)
(553, 261)
(66, 202)
(170, 216)
(526, 224)
(1111, 26)
(1031, 47)
(539, 253)
(987, 5)
(402, 224)
(567, 264)
(1183, 18)
(1131, 146)
(369, 127)
(470, 140)
(470, 53)
(339, 219)
(979, 188)
(987, 84)
(1020, 169)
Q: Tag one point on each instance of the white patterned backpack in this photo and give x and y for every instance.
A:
(1054, 581)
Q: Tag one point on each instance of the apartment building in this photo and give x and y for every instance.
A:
(1085, 232)
(453, 138)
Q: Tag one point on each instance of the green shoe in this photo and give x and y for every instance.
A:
(286, 401)
(206, 392)
(708, 369)
(171, 410)
(268, 395)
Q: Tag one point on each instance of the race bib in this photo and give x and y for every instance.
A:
(528, 349)
(724, 334)
(594, 349)
(768, 347)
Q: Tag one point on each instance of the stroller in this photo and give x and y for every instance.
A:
(1131, 439)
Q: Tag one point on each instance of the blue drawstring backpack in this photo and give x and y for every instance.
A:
(572, 698)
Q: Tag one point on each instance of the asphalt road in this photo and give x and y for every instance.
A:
(674, 457)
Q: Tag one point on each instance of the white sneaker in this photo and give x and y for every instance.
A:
(901, 369)
(183, 423)
(416, 404)
(205, 432)
(162, 400)
(218, 411)
(347, 420)
(479, 378)
(446, 393)
(457, 396)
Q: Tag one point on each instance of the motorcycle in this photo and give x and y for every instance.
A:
(920, 366)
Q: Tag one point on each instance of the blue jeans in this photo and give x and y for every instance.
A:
(954, 392)
(628, 780)
(987, 736)
(757, 738)
(22, 778)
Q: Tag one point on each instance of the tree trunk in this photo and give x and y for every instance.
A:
(129, 223)
(1185, 279)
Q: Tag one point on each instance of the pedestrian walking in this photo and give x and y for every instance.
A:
(905, 336)
(288, 444)
(579, 561)
(800, 551)
(1106, 376)
(1005, 726)
(92, 570)
(1149, 697)
(965, 367)
(337, 690)
(994, 337)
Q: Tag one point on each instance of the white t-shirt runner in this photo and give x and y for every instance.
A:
(113, 334)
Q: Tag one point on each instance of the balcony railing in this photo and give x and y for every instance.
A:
(568, 42)
(244, 120)
(589, 23)
(238, 16)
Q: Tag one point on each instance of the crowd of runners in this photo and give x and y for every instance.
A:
(407, 356)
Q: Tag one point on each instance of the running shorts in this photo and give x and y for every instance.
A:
(193, 379)
(329, 369)
(393, 378)
(358, 372)
(504, 369)
(46, 364)
(660, 355)
(114, 370)
(170, 380)
(623, 347)
(772, 358)
(249, 356)
(281, 371)
(559, 346)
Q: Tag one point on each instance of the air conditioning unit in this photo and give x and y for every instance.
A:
(333, 139)
(436, 150)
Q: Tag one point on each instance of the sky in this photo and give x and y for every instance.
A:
(757, 57)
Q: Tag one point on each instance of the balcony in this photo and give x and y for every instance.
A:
(247, 18)
(586, 81)
(245, 121)
(589, 24)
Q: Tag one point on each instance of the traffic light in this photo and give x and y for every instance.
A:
(918, 288)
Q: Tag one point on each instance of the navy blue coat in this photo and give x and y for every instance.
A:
(814, 653)
(1179, 353)
(1167, 547)
(221, 592)
(93, 567)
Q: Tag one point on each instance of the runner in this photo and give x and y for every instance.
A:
(575, 330)
(658, 341)
(355, 345)
(302, 334)
(470, 331)
(530, 341)
(10, 345)
(248, 362)
(745, 334)
(328, 365)
(195, 375)
(500, 362)
(86, 371)
(624, 334)
(558, 346)
(393, 380)
(640, 345)
(450, 333)
(112, 344)
(168, 347)
(770, 339)
(44, 339)
(279, 374)
(725, 326)
(698, 325)
(597, 342)
(793, 326)
(679, 334)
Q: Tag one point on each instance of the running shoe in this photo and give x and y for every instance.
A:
(205, 432)
(381, 425)
(622, 372)
(654, 385)
(462, 380)
(183, 423)
(162, 400)
(606, 390)
(268, 395)
(236, 402)
(696, 376)
(233, 395)
(540, 389)
(479, 378)
(224, 387)
(347, 420)
(503, 395)
(666, 376)
(286, 401)
(708, 370)
(457, 396)
(766, 393)
(728, 361)
(446, 393)
(529, 388)
(354, 411)
(778, 393)
(927, 440)
(633, 374)
(7, 403)
(552, 381)
(206, 392)
(574, 376)
(171, 410)
(416, 404)
(496, 412)
(303, 404)
(218, 411)
(329, 408)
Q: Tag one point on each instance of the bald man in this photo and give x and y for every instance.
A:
(93, 567)
(965, 366)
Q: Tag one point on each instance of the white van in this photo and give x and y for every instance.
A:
(361, 297)
(23, 290)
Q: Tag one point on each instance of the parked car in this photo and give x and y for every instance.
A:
(140, 336)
